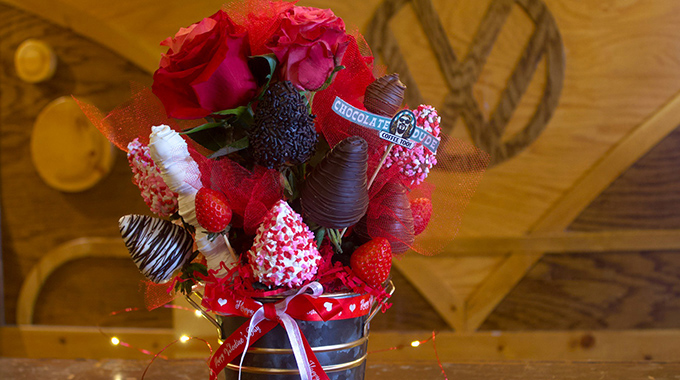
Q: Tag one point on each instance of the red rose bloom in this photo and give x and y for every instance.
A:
(309, 44)
(205, 69)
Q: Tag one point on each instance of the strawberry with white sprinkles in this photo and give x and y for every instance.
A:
(284, 251)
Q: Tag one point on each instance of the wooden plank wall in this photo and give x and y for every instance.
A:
(615, 290)
(618, 99)
(37, 218)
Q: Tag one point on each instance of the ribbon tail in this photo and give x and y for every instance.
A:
(317, 371)
(235, 345)
(257, 318)
(296, 342)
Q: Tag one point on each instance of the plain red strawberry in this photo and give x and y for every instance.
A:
(212, 210)
(422, 212)
(372, 261)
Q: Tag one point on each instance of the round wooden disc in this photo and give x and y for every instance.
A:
(68, 152)
(35, 61)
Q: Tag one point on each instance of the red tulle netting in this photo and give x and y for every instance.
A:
(450, 186)
(134, 118)
(251, 193)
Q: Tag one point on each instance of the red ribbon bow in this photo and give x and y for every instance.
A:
(264, 317)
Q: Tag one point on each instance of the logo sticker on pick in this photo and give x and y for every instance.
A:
(400, 130)
(328, 306)
(221, 301)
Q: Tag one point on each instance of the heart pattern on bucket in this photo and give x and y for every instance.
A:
(328, 306)
(352, 307)
(221, 301)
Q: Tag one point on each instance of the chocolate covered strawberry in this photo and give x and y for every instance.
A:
(422, 212)
(372, 262)
(212, 210)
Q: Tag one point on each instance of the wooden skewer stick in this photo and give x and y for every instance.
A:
(231, 250)
(373, 177)
(380, 165)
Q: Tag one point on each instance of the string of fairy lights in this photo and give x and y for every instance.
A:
(116, 341)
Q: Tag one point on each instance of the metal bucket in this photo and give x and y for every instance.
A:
(339, 345)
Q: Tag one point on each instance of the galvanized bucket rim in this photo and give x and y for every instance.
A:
(374, 309)
(338, 295)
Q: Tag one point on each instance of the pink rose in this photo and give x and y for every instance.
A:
(309, 44)
(205, 69)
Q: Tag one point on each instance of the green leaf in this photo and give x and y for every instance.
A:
(238, 111)
(322, 148)
(319, 235)
(231, 148)
(189, 277)
(245, 120)
(336, 239)
(202, 127)
(213, 139)
(271, 62)
(287, 186)
(263, 68)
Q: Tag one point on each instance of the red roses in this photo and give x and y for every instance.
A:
(206, 67)
(309, 44)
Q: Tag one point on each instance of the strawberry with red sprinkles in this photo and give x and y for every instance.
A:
(146, 175)
(284, 251)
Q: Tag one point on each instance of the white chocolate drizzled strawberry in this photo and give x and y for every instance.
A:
(284, 251)
(180, 172)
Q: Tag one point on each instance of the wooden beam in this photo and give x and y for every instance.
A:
(33, 341)
(619, 158)
(63, 13)
(482, 302)
(582, 193)
(90, 343)
(623, 345)
(447, 304)
(2, 281)
(567, 242)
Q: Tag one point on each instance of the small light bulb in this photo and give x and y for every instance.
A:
(415, 343)
(198, 313)
(184, 339)
(115, 341)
